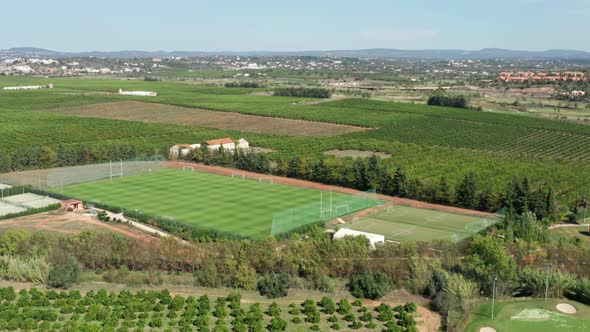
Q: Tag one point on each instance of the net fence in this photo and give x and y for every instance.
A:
(328, 207)
(59, 177)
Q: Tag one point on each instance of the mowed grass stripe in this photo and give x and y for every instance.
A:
(223, 203)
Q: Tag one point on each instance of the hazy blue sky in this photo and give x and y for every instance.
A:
(215, 25)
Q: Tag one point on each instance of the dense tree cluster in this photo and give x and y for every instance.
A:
(302, 92)
(242, 85)
(459, 101)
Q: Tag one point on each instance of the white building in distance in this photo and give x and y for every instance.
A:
(374, 239)
(138, 93)
(28, 87)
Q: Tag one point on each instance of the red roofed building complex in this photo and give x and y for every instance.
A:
(227, 143)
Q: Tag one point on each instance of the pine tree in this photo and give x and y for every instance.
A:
(467, 192)
(400, 183)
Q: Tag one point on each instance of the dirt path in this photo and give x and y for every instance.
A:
(568, 225)
(325, 187)
(73, 223)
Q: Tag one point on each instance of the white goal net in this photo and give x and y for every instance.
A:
(266, 180)
(238, 176)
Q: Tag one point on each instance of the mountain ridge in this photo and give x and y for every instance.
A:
(377, 53)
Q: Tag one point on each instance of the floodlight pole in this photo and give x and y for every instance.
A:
(494, 294)
(321, 205)
(331, 211)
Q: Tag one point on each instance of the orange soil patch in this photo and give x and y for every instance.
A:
(161, 113)
(325, 187)
(71, 223)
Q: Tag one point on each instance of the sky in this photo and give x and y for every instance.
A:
(224, 25)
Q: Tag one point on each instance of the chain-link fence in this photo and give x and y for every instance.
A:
(56, 178)
(329, 206)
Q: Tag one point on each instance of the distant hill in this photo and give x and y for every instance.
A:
(381, 53)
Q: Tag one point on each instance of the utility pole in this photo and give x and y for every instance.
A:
(494, 294)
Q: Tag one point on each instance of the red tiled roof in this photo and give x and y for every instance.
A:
(226, 140)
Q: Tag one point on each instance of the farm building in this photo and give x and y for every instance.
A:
(243, 144)
(72, 204)
(182, 149)
(374, 239)
(227, 143)
(138, 93)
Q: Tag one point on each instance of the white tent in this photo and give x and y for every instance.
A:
(374, 239)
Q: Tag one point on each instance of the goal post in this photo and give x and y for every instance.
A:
(265, 180)
(188, 168)
(114, 171)
(328, 207)
(238, 176)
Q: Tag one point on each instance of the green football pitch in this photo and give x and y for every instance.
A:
(223, 203)
(405, 223)
(530, 316)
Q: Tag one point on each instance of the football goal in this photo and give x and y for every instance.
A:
(188, 168)
(238, 176)
(266, 180)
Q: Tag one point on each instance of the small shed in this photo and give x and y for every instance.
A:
(72, 204)
(373, 238)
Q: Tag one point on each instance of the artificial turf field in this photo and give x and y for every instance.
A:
(223, 203)
(518, 316)
(405, 223)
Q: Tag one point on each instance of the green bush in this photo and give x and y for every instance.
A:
(65, 275)
(274, 285)
(370, 285)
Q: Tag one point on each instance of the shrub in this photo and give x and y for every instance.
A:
(277, 324)
(328, 305)
(410, 307)
(324, 284)
(274, 285)
(65, 275)
(370, 285)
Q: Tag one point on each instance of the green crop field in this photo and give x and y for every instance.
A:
(222, 203)
(404, 223)
(531, 316)
(428, 142)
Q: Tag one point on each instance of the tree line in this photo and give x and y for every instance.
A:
(302, 92)
(242, 85)
(438, 99)
(363, 174)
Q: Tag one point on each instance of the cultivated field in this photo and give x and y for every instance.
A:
(531, 316)
(161, 113)
(227, 204)
(405, 223)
